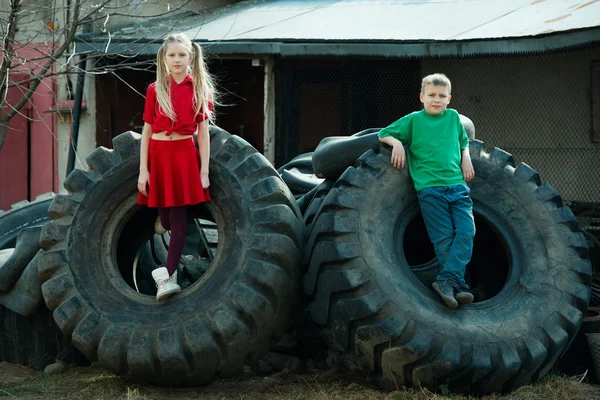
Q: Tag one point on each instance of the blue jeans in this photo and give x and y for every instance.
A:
(448, 215)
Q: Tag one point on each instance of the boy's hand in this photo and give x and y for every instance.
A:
(466, 167)
(398, 155)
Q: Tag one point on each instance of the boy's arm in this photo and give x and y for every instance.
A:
(398, 153)
(466, 165)
(393, 136)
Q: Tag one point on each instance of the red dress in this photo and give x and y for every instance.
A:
(174, 165)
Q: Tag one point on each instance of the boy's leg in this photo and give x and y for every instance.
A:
(438, 221)
(436, 207)
(178, 224)
(461, 209)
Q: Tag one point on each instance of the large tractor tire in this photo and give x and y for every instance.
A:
(20, 226)
(28, 335)
(35, 340)
(529, 272)
(22, 215)
(212, 327)
(336, 153)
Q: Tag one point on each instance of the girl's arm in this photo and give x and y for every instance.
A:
(143, 179)
(204, 147)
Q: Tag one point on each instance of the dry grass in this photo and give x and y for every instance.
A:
(91, 383)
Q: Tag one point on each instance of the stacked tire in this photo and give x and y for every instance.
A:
(28, 336)
(211, 328)
(350, 235)
(369, 266)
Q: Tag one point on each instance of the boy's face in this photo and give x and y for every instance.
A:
(435, 99)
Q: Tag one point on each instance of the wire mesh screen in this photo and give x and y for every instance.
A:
(539, 108)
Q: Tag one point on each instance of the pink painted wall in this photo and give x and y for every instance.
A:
(14, 158)
(42, 131)
(38, 135)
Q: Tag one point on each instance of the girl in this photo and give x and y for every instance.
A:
(172, 173)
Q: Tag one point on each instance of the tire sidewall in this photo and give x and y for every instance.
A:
(94, 235)
(28, 215)
(537, 257)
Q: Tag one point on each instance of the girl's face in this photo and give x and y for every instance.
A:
(177, 58)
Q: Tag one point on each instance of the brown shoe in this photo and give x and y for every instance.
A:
(463, 295)
(446, 291)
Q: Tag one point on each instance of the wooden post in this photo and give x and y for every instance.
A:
(269, 111)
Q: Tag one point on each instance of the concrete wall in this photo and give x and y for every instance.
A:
(536, 107)
(86, 142)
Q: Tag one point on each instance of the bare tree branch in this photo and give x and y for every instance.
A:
(8, 52)
(35, 82)
(36, 22)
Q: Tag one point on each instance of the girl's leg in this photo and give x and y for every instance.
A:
(163, 214)
(178, 226)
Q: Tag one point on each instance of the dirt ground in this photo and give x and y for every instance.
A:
(92, 383)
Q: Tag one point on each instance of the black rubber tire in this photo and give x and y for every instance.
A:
(28, 336)
(314, 205)
(212, 327)
(20, 229)
(26, 247)
(25, 296)
(304, 200)
(22, 215)
(468, 125)
(35, 341)
(367, 132)
(591, 321)
(299, 183)
(384, 321)
(336, 153)
(302, 163)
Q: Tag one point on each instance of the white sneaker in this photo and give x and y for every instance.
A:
(167, 285)
(158, 228)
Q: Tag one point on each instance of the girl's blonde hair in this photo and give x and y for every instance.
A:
(204, 88)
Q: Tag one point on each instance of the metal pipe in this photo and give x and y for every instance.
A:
(76, 115)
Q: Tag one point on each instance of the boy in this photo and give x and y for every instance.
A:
(439, 164)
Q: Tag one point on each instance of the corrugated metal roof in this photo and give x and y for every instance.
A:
(344, 26)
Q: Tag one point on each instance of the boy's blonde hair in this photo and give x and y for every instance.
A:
(436, 79)
(204, 88)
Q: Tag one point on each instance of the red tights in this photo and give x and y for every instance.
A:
(174, 219)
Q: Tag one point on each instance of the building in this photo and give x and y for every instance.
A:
(38, 150)
(526, 72)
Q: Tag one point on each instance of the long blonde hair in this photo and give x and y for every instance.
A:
(204, 88)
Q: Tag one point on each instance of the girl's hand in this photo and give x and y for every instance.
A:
(204, 180)
(398, 155)
(143, 183)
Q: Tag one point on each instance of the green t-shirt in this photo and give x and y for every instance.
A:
(434, 144)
